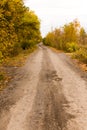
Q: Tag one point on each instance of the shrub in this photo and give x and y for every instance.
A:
(81, 54)
(72, 47)
(1, 57)
(1, 76)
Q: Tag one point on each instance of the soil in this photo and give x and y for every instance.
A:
(48, 93)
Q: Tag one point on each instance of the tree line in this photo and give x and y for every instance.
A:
(69, 38)
(19, 28)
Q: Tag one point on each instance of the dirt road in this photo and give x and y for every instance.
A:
(48, 93)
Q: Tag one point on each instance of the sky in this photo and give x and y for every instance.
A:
(55, 13)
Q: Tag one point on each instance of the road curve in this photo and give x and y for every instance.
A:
(48, 93)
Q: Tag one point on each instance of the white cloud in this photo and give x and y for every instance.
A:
(54, 13)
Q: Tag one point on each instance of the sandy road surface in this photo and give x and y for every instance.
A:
(48, 93)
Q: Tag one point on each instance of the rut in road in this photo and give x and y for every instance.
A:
(47, 112)
(48, 93)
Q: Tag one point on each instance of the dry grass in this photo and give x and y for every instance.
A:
(82, 65)
(6, 73)
(58, 51)
(16, 61)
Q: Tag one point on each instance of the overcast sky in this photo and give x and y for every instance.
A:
(56, 13)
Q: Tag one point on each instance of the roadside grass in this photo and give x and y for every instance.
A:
(79, 57)
(18, 60)
(3, 79)
(56, 50)
(6, 74)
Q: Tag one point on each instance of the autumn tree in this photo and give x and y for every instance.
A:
(83, 37)
(58, 38)
(71, 31)
(65, 38)
(19, 27)
(49, 40)
(31, 30)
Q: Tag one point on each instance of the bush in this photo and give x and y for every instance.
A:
(18, 26)
(72, 47)
(16, 49)
(1, 76)
(1, 57)
(28, 44)
(81, 54)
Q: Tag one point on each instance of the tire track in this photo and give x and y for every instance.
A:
(48, 112)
